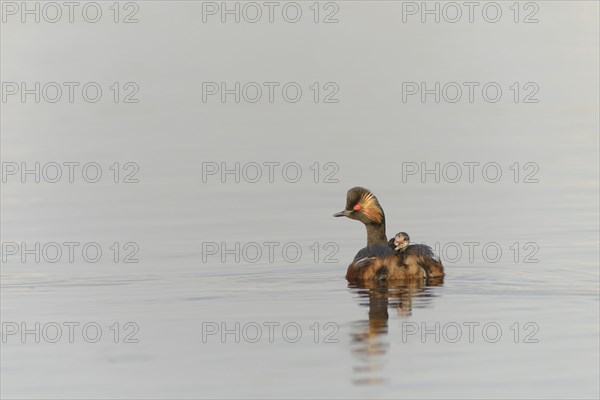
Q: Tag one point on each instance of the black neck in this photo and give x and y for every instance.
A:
(376, 234)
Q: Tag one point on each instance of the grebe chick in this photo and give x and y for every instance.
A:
(400, 242)
(379, 261)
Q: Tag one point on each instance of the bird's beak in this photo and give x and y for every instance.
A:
(341, 214)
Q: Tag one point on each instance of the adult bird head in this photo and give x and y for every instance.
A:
(362, 205)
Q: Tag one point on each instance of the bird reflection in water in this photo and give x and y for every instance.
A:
(369, 337)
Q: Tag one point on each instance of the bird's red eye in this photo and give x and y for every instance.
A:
(357, 207)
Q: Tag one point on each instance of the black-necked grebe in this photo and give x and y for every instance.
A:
(380, 261)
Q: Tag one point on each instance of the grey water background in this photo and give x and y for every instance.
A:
(176, 291)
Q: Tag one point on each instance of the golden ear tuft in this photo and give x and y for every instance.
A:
(370, 207)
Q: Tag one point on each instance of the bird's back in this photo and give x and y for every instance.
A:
(422, 255)
(378, 250)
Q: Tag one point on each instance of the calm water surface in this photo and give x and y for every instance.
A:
(520, 323)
